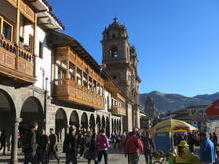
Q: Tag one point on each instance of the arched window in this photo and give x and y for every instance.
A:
(114, 52)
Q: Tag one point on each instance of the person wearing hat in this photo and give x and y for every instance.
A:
(184, 155)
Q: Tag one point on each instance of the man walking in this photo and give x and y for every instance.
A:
(133, 148)
(70, 146)
(42, 154)
(148, 147)
(53, 145)
(30, 145)
(3, 141)
(207, 150)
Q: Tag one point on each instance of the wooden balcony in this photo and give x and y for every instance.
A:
(117, 110)
(68, 90)
(13, 2)
(27, 11)
(16, 62)
(24, 8)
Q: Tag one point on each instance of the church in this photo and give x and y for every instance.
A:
(121, 62)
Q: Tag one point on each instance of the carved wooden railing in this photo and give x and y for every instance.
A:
(16, 57)
(118, 110)
(72, 91)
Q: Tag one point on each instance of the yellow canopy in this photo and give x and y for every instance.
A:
(172, 125)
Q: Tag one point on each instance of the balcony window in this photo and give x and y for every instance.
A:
(7, 30)
(61, 73)
(79, 76)
(90, 83)
(31, 41)
(41, 50)
(72, 71)
(85, 82)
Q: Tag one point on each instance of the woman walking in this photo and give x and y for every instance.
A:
(102, 145)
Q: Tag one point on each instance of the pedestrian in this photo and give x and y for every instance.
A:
(148, 147)
(70, 146)
(102, 145)
(90, 154)
(214, 140)
(3, 141)
(123, 140)
(52, 149)
(113, 140)
(207, 149)
(133, 148)
(30, 144)
(82, 145)
(42, 153)
(191, 142)
(184, 155)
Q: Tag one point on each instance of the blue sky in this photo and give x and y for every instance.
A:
(177, 41)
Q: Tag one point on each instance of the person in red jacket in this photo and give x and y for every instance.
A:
(133, 148)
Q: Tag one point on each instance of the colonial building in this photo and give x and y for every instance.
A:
(25, 63)
(79, 96)
(122, 64)
(48, 77)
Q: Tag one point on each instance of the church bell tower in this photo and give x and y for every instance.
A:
(121, 63)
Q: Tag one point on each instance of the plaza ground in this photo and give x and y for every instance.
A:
(114, 158)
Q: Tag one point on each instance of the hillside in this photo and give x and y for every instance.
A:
(169, 102)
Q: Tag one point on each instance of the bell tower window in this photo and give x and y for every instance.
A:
(114, 52)
(113, 36)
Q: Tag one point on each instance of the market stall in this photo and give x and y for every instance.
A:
(163, 131)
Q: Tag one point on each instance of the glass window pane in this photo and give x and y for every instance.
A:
(7, 30)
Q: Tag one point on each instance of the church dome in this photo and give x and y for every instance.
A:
(115, 30)
(116, 24)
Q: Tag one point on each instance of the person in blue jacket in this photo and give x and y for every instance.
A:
(207, 149)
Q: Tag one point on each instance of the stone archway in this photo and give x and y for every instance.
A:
(74, 120)
(103, 124)
(107, 127)
(32, 111)
(84, 122)
(98, 124)
(7, 114)
(61, 124)
(120, 126)
(117, 122)
(115, 126)
(92, 123)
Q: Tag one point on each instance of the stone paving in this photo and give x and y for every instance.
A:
(114, 158)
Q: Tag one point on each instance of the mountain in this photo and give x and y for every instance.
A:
(170, 102)
(209, 97)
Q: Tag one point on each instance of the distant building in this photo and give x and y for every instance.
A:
(194, 115)
(150, 108)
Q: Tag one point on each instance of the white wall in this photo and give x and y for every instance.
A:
(43, 66)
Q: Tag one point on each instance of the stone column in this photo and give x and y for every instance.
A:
(110, 124)
(14, 158)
